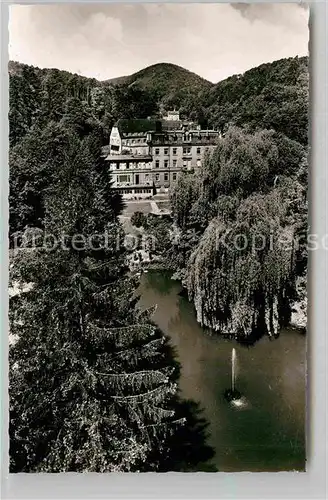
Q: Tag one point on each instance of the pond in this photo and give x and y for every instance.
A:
(266, 433)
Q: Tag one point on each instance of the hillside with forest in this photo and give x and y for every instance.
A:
(39, 96)
(171, 84)
(104, 378)
(271, 96)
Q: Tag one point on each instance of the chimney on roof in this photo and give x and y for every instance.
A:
(173, 115)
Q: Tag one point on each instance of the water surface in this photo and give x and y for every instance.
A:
(267, 434)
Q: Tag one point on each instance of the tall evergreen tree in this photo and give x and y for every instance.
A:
(24, 103)
(34, 163)
(92, 382)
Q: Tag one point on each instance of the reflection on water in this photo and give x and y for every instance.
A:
(266, 432)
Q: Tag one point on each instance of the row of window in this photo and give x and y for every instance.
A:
(189, 137)
(133, 179)
(134, 151)
(142, 190)
(129, 142)
(132, 191)
(127, 166)
(186, 163)
(186, 150)
(127, 178)
(166, 177)
(165, 164)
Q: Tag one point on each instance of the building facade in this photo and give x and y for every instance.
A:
(146, 156)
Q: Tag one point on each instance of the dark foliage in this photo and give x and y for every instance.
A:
(139, 219)
(93, 382)
(271, 96)
(239, 222)
(38, 96)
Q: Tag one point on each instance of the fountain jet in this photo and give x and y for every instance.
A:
(233, 369)
(233, 395)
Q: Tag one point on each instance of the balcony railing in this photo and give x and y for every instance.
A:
(148, 183)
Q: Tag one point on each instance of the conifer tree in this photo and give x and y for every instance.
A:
(24, 102)
(92, 382)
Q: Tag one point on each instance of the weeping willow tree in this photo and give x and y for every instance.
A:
(246, 207)
(243, 163)
(241, 276)
(183, 196)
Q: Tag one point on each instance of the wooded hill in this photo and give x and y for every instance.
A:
(172, 85)
(273, 96)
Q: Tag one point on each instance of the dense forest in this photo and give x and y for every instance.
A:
(39, 96)
(271, 96)
(93, 382)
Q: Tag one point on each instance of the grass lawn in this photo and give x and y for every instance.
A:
(136, 206)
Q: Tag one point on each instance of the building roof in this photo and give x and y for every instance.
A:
(138, 125)
(172, 124)
(135, 134)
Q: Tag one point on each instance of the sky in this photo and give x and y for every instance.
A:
(110, 40)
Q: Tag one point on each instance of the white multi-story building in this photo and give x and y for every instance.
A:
(147, 156)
